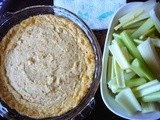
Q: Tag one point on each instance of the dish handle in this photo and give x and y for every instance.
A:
(86, 111)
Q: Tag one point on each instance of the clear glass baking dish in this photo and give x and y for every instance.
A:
(8, 20)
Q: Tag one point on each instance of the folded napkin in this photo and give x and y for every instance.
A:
(96, 13)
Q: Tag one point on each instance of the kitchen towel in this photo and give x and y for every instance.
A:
(96, 13)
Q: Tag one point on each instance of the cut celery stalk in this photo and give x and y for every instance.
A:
(153, 97)
(148, 33)
(112, 84)
(141, 69)
(135, 21)
(148, 107)
(119, 75)
(116, 36)
(118, 55)
(126, 53)
(138, 41)
(143, 28)
(146, 6)
(135, 82)
(134, 25)
(155, 19)
(146, 89)
(151, 58)
(156, 42)
(127, 100)
(110, 67)
(130, 18)
(146, 85)
(129, 75)
(127, 40)
(130, 31)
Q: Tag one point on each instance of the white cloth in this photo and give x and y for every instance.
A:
(96, 13)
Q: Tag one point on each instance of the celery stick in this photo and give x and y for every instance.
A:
(126, 53)
(138, 41)
(129, 75)
(135, 21)
(141, 69)
(119, 75)
(155, 19)
(153, 97)
(115, 35)
(112, 70)
(151, 57)
(112, 84)
(130, 31)
(110, 67)
(146, 6)
(127, 101)
(128, 41)
(156, 42)
(129, 17)
(146, 89)
(128, 70)
(134, 25)
(135, 82)
(148, 107)
(148, 33)
(143, 28)
(118, 55)
(146, 85)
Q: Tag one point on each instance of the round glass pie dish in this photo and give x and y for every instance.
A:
(9, 20)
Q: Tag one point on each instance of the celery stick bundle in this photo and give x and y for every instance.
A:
(134, 61)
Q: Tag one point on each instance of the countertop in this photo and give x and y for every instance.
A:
(100, 111)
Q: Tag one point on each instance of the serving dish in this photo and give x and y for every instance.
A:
(8, 20)
(106, 94)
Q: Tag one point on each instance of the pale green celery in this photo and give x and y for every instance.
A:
(150, 56)
(147, 88)
(135, 82)
(145, 6)
(138, 41)
(118, 55)
(146, 85)
(153, 97)
(141, 69)
(128, 101)
(119, 75)
(155, 19)
(112, 84)
(134, 25)
(156, 42)
(126, 53)
(143, 28)
(148, 33)
(129, 17)
(130, 31)
(118, 41)
(129, 75)
(128, 41)
(148, 107)
(128, 70)
(112, 70)
(140, 19)
(110, 67)
(115, 35)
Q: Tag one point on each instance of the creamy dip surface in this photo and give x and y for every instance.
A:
(46, 66)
